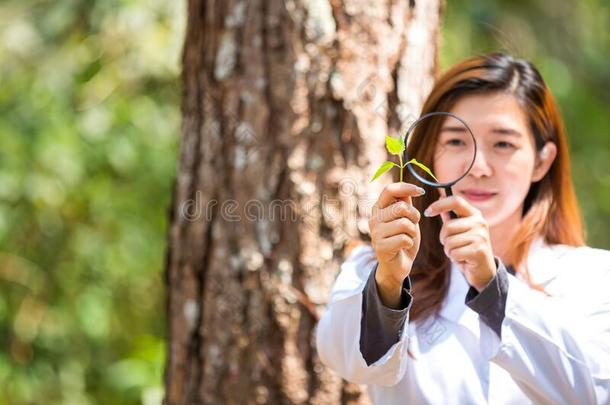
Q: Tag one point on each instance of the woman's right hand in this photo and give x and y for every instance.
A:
(395, 238)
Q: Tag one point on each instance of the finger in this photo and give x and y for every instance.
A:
(463, 254)
(400, 241)
(398, 191)
(396, 227)
(457, 241)
(455, 226)
(454, 203)
(399, 209)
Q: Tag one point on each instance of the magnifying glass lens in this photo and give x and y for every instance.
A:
(440, 149)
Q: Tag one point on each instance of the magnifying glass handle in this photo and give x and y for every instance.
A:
(449, 193)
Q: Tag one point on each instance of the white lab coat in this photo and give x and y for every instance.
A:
(553, 350)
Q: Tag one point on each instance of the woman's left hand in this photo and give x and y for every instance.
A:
(466, 239)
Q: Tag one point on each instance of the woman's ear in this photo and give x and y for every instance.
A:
(544, 160)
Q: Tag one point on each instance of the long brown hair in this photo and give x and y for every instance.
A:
(550, 209)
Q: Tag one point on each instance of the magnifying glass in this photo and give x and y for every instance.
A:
(455, 149)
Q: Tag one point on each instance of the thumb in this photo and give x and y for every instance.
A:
(407, 199)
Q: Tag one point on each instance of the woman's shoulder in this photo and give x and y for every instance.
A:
(577, 268)
(358, 263)
(359, 257)
(567, 253)
(584, 255)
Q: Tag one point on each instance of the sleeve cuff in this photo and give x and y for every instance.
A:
(380, 326)
(490, 303)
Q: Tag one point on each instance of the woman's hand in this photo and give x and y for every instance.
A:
(395, 237)
(466, 239)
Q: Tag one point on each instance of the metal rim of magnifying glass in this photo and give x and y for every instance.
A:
(417, 175)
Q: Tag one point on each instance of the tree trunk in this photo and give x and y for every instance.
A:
(285, 107)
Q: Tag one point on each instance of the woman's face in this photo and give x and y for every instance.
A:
(505, 163)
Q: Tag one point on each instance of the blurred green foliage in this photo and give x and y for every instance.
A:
(89, 125)
(89, 128)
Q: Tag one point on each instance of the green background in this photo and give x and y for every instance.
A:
(89, 130)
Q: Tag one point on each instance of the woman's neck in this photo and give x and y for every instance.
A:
(502, 234)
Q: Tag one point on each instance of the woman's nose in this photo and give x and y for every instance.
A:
(481, 166)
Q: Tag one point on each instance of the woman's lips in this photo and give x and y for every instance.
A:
(478, 195)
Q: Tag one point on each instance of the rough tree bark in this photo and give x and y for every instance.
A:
(285, 108)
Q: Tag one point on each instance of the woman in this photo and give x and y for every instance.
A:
(503, 304)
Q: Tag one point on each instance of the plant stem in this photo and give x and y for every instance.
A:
(401, 167)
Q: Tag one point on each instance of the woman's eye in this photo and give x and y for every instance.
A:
(455, 142)
(505, 145)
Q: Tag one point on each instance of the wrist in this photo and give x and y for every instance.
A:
(387, 280)
(389, 289)
(484, 282)
(482, 285)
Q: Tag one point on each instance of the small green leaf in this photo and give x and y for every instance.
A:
(383, 168)
(423, 167)
(394, 146)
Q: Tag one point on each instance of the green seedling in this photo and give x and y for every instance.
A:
(397, 147)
